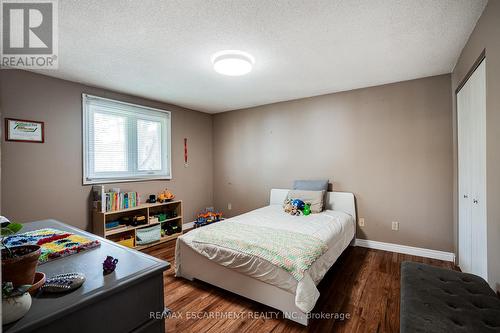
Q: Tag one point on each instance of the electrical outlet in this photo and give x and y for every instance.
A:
(229, 206)
(395, 225)
(361, 221)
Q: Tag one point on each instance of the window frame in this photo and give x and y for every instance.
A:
(124, 107)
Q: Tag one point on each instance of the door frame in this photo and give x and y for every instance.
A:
(471, 71)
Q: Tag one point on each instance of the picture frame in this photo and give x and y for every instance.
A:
(22, 130)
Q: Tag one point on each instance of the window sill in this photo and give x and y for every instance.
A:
(123, 180)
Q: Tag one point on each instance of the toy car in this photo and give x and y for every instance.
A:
(207, 216)
(165, 196)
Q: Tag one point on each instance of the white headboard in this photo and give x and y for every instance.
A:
(339, 201)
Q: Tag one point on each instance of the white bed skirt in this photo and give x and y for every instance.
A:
(193, 265)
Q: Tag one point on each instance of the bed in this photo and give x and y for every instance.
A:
(258, 279)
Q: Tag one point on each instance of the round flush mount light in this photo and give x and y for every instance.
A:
(232, 62)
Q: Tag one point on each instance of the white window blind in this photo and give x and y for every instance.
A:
(124, 142)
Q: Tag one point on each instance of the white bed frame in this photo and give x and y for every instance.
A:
(196, 266)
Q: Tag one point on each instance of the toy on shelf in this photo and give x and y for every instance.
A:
(152, 198)
(165, 196)
(134, 220)
(175, 228)
(139, 220)
(170, 228)
(112, 225)
(167, 230)
(209, 215)
(171, 214)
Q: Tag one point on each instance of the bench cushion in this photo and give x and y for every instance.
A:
(440, 300)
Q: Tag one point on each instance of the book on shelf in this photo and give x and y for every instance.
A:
(113, 201)
(123, 200)
(97, 198)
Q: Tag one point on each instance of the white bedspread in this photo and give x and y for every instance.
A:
(333, 227)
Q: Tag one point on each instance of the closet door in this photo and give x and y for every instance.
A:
(471, 116)
(464, 180)
(478, 189)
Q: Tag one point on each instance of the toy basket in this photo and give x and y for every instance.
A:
(148, 235)
(128, 242)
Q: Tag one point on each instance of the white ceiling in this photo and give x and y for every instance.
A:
(161, 49)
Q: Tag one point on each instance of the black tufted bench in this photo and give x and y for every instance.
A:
(440, 300)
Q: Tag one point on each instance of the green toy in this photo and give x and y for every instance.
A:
(307, 209)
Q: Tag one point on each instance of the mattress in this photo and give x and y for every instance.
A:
(335, 228)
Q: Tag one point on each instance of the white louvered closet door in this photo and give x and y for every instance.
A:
(471, 117)
(464, 180)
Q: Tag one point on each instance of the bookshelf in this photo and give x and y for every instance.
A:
(127, 234)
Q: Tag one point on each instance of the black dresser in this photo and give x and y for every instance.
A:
(128, 300)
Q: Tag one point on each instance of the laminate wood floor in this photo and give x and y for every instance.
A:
(363, 283)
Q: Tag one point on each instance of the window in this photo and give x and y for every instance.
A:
(124, 142)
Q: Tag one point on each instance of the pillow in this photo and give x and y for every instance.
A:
(315, 198)
(311, 185)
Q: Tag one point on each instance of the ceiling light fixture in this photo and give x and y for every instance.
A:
(232, 62)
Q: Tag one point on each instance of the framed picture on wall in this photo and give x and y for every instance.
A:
(24, 130)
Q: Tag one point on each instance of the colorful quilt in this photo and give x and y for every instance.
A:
(54, 243)
(292, 251)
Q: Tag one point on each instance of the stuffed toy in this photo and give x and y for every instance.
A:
(307, 209)
(295, 211)
(288, 207)
(294, 207)
(298, 203)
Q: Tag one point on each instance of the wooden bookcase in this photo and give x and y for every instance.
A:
(99, 220)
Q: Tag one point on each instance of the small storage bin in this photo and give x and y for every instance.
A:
(128, 242)
(148, 235)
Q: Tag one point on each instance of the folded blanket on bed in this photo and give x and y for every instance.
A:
(292, 251)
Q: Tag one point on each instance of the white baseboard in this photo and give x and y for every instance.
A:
(415, 251)
(188, 225)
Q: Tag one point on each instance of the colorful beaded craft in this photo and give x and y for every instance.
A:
(54, 243)
(63, 282)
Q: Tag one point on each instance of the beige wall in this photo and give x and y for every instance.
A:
(390, 145)
(45, 180)
(486, 36)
